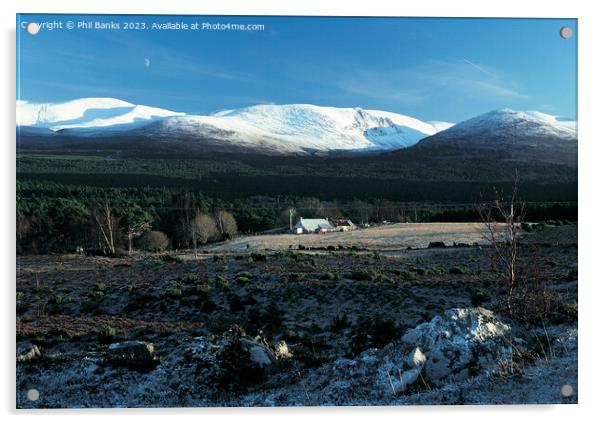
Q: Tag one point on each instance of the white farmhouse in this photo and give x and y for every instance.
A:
(310, 226)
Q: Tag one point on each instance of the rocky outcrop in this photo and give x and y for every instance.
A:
(447, 350)
(462, 342)
(458, 344)
(132, 354)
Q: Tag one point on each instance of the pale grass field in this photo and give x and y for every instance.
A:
(394, 236)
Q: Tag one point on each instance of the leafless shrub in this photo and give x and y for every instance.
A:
(202, 228)
(226, 224)
(507, 369)
(534, 302)
(106, 223)
(502, 218)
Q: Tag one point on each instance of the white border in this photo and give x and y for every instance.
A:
(590, 237)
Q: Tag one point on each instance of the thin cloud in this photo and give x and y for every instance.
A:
(432, 81)
(480, 68)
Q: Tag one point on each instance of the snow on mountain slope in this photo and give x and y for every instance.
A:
(310, 127)
(291, 128)
(505, 124)
(526, 136)
(136, 114)
(441, 126)
(43, 114)
(85, 113)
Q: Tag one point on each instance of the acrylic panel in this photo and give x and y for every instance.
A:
(227, 211)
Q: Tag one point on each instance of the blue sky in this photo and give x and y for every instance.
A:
(432, 69)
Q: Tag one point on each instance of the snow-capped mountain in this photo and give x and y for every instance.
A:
(272, 129)
(86, 113)
(505, 124)
(525, 135)
(292, 129)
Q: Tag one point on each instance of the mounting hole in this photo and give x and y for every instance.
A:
(33, 395)
(32, 28)
(566, 32)
(566, 391)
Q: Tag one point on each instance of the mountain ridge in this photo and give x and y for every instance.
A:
(288, 128)
(293, 129)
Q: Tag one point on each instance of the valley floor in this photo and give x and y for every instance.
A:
(382, 237)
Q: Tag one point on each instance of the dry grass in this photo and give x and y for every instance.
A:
(394, 236)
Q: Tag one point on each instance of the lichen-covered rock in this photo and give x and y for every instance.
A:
(132, 354)
(258, 353)
(461, 342)
(414, 363)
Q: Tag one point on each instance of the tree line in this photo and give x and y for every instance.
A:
(59, 218)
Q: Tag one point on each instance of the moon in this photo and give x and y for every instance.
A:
(147, 62)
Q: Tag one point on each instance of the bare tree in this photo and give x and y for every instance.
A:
(226, 224)
(291, 216)
(202, 228)
(23, 227)
(502, 218)
(106, 223)
(287, 218)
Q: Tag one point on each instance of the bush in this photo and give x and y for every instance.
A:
(373, 333)
(55, 299)
(339, 323)
(154, 241)
(267, 319)
(259, 257)
(423, 272)
(539, 226)
(478, 297)
(235, 303)
(361, 275)
(457, 270)
(106, 334)
(538, 306)
(174, 292)
(202, 289)
(242, 279)
(222, 281)
(436, 244)
(169, 258)
(567, 313)
(437, 270)
(328, 276)
(527, 227)
(208, 306)
(572, 274)
(406, 275)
